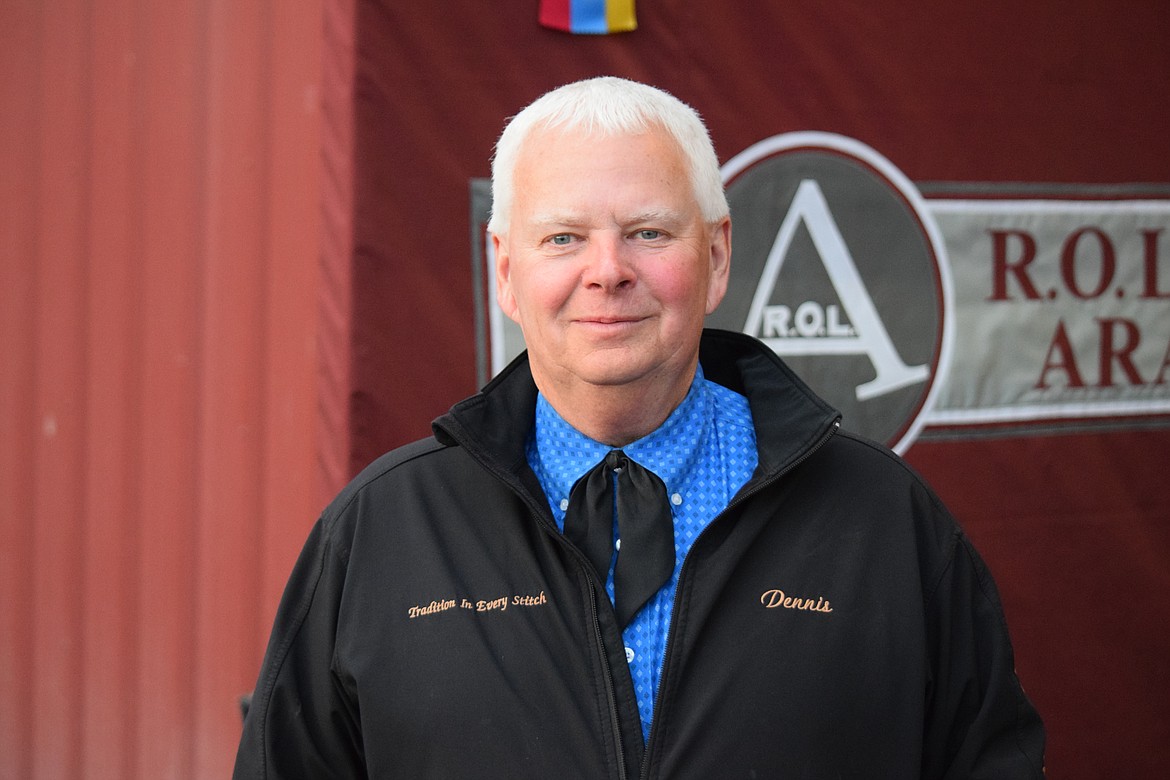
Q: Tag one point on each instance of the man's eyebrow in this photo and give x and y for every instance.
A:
(554, 219)
(651, 216)
(558, 219)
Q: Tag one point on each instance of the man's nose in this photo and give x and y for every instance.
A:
(608, 263)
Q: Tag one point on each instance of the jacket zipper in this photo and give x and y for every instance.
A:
(611, 697)
(682, 573)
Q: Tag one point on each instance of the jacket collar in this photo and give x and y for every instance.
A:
(790, 420)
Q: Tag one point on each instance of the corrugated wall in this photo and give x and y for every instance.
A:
(159, 424)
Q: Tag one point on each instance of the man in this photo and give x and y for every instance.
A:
(805, 606)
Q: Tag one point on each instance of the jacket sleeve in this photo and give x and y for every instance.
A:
(979, 722)
(303, 722)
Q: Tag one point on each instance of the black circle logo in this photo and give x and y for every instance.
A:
(840, 268)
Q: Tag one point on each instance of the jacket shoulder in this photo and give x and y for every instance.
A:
(870, 460)
(897, 496)
(379, 470)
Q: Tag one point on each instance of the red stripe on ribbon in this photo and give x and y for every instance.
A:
(556, 14)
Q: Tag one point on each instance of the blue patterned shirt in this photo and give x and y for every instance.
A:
(704, 452)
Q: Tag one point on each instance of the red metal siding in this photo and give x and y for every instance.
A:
(159, 429)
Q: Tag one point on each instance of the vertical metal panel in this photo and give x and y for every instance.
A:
(113, 394)
(59, 372)
(20, 53)
(297, 295)
(338, 65)
(173, 248)
(159, 241)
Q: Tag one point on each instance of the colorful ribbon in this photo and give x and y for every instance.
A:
(595, 17)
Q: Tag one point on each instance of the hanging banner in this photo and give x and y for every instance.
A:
(1063, 311)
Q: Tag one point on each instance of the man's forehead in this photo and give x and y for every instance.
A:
(544, 139)
(566, 178)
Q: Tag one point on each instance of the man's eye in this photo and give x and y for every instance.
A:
(561, 239)
(648, 234)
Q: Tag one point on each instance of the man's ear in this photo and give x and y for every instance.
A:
(720, 263)
(504, 295)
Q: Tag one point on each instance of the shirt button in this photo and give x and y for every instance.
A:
(564, 504)
(629, 655)
(617, 544)
(676, 499)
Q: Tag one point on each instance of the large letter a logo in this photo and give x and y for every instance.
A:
(809, 335)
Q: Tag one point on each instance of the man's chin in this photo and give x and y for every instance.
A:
(610, 365)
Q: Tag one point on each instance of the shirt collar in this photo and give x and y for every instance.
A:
(560, 454)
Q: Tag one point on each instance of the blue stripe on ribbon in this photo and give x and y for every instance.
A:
(587, 16)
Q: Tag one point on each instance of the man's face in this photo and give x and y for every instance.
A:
(608, 265)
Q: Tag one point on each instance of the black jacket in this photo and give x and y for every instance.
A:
(832, 622)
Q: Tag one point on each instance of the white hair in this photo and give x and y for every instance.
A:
(610, 106)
